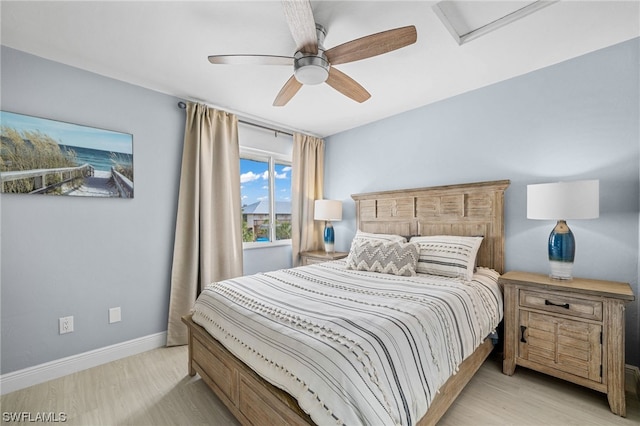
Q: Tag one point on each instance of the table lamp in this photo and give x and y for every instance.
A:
(562, 201)
(328, 210)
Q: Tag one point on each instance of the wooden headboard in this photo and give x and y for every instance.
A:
(472, 209)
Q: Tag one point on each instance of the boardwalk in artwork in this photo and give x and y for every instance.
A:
(96, 186)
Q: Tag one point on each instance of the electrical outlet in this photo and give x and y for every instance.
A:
(114, 315)
(65, 324)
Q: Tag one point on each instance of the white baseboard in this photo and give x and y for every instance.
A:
(632, 380)
(61, 367)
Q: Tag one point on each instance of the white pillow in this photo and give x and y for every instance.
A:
(386, 257)
(379, 237)
(448, 255)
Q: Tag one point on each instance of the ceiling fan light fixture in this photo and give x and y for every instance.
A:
(312, 64)
(311, 69)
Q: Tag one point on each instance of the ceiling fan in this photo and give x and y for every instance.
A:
(312, 64)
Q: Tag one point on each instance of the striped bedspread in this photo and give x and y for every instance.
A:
(352, 347)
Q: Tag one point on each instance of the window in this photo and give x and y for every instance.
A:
(265, 187)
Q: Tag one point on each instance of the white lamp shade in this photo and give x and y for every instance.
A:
(327, 210)
(564, 200)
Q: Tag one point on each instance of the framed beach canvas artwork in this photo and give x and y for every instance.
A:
(41, 156)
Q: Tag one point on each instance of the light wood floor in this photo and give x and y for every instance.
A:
(153, 388)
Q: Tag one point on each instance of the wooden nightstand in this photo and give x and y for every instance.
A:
(573, 330)
(317, 256)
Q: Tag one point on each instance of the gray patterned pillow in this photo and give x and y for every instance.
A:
(448, 255)
(386, 257)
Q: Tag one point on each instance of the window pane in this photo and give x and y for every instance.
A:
(283, 201)
(254, 191)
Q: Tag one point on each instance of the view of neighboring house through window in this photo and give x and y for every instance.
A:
(265, 185)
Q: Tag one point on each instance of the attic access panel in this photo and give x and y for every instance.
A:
(468, 20)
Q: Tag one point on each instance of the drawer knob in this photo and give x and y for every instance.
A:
(523, 328)
(548, 303)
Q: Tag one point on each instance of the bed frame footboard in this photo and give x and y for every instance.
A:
(254, 401)
(251, 399)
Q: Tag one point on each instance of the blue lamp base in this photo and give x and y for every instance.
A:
(329, 237)
(562, 250)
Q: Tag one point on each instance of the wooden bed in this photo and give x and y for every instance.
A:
(467, 209)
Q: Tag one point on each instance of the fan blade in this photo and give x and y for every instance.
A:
(251, 60)
(302, 25)
(372, 45)
(287, 92)
(347, 86)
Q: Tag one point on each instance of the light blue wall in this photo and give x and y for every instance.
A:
(576, 120)
(64, 256)
(75, 256)
(265, 259)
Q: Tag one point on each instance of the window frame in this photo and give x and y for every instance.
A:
(271, 158)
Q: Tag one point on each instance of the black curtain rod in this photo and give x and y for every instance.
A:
(182, 105)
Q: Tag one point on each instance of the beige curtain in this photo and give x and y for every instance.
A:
(208, 240)
(307, 185)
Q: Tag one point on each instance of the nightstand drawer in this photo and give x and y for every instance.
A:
(319, 256)
(561, 304)
(312, 260)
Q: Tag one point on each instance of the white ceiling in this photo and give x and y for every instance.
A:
(164, 45)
